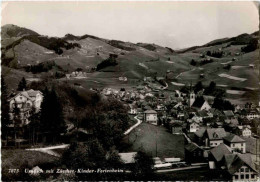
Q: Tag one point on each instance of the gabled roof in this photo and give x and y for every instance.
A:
(191, 147)
(29, 94)
(228, 113)
(219, 151)
(216, 133)
(150, 112)
(235, 161)
(200, 132)
(199, 101)
(233, 138)
(203, 113)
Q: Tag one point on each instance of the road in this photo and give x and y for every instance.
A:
(134, 126)
(48, 150)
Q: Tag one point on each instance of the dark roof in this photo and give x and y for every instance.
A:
(219, 151)
(203, 113)
(235, 161)
(216, 133)
(233, 138)
(199, 101)
(150, 112)
(200, 132)
(191, 147)
(228, 113)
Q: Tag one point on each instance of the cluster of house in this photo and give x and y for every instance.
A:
(76, 74)
(122, 78)
(216, 137)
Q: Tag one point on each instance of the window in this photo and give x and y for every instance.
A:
(247, 170)
(241, 144)
(252, 176)
(242, 170)
(242, 176)
(236, 176)
(233, 145)
(247, 176)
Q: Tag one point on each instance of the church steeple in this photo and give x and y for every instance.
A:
(192, 98)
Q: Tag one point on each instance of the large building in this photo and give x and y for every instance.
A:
(25, 101)
(150, 116)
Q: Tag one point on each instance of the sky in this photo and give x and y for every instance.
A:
(172, 24)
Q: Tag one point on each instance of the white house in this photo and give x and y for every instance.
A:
(193, 127)
(25, 101)
(150, 116)
(235, 143)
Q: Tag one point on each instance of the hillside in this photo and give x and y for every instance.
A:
(229, 66)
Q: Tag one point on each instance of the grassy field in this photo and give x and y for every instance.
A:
(18, 159)
(145, 137)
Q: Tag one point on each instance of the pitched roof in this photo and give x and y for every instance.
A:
(219, 151)
(233, 138)
(235, 161)
(216, 133)
(29, 94)
(203, 113)
(228, 113)
(191, 147)
(199, 101)
(200, 132)
(150, 112)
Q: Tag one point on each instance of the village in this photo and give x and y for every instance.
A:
(219, 139)
(224, 141)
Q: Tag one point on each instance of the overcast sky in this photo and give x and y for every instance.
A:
(172, 24)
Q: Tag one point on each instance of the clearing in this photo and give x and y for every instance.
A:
(146, 136)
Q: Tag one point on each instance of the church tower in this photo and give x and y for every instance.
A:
(192, 98)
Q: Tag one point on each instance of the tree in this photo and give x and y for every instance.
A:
(52, 120)
(16, 120)
(222, 104)
(143, 166)
(198, 87)
(5, 118)
(193, 62)
(34, 119)
(22, 85)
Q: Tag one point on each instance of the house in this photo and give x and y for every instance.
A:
(121, 78)
(231, 124)
(210, 137)
(235, 143)
(176, 127)
(193, 153)
(127, 158)
(215, 136)
(193, 127)
(252, 114)
(150, 116)
(25, 101)
(244, 131)
(133, 110)
(217, 154)
(240, 167)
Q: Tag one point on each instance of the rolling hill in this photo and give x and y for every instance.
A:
(22, 47)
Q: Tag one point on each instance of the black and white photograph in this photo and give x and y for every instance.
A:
(130, 91)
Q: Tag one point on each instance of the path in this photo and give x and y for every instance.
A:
(134, 126)
(184, 72)
(48, 150)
